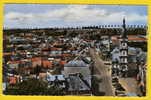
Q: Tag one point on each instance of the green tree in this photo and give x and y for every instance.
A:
(34, 86)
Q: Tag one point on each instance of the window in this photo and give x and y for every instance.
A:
(124, 53)
(124, 45)
(123, 60)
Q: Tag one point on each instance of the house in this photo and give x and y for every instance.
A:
(19, 40)
(133, 54)
(47, 64)
(115, 54)
(13, 64)
(141, 78)
(52, 78)
(36, 61)
(56, 80)
(75, 66)
(78, 74)
(13, 79)
(78, 85)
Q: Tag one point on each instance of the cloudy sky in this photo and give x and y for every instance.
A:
(38, 15)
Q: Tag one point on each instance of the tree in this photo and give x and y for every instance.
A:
(27, 87)
(34, 86)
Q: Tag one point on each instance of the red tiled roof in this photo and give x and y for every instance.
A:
(7, 53)
(137, 39)
(28, 59)
(63, 62)
(12, 80)
(53, 49)
(46, 64)
(12, 53)
(66, 55)
(130, 37)
(35, 59)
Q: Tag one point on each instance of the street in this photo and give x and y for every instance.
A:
(102, 72)
(131, 85)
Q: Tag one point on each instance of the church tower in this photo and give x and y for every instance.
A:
(124, 51)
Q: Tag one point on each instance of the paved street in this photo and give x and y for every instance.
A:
(101, 70)
(130, 84)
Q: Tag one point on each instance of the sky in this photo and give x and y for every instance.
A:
(45, 16)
